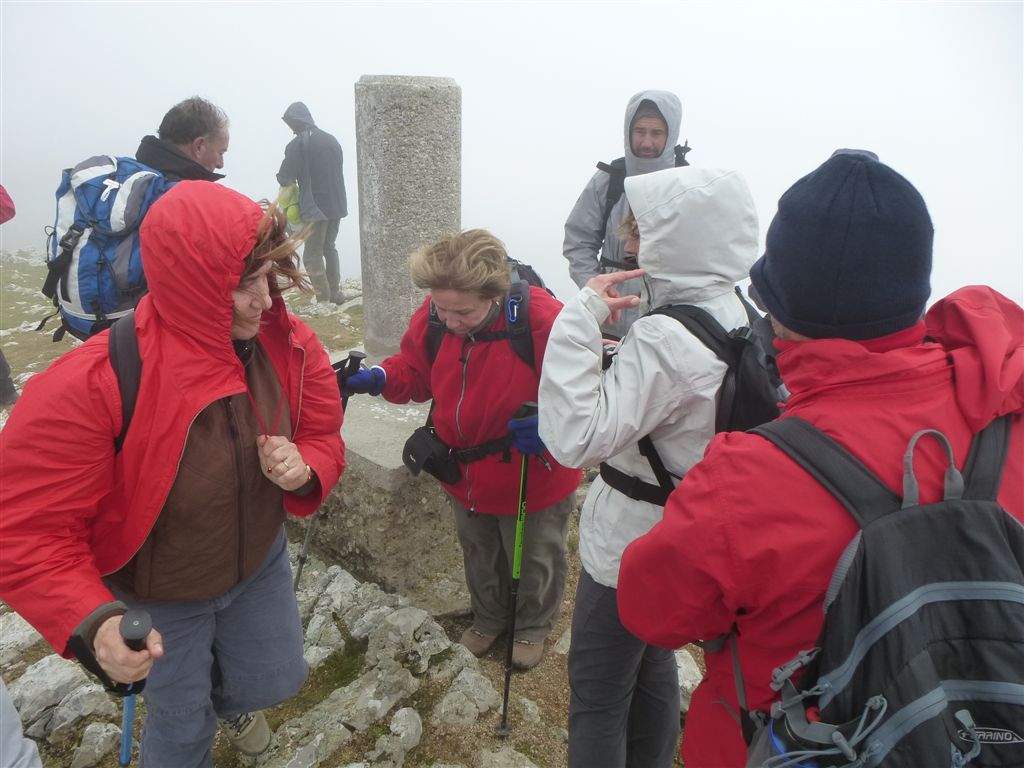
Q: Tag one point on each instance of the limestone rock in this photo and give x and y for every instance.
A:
(44, 684)
(98, 741)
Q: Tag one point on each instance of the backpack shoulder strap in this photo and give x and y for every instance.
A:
(517, 326)
(127, 365)
(517, 318)
(616, 171)
(435, 333)
(701, 324)
(844, 476)
(983, 470)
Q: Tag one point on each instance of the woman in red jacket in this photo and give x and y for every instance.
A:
(479, 377)
(236, 423)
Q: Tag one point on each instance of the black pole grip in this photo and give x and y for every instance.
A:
(135, 626)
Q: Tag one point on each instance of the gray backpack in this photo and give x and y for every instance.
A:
(920, 661)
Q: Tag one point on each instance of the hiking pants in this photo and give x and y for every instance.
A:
(320, 258)
(488, 546)
(624, 693)
(239, 652)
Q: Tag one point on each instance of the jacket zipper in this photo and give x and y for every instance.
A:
(467, 350)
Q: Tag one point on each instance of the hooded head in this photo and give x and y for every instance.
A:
(849, 253)
(198, 241)
(698, 231)
(298, 118)
(652, 105)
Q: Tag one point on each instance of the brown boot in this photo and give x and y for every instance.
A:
(477, 642)
(526, 654)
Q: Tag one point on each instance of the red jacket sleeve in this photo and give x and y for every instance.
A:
(6, 206)
(318, 427)
(408, 372)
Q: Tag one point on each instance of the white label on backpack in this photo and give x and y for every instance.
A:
(991, 736)
(110, 185)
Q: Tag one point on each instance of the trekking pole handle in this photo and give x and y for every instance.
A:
(347, 367)
(135, 626)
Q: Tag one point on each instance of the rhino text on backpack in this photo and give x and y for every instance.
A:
(93, 252)
(920, 661)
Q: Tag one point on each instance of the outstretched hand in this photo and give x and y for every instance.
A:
(604, 286)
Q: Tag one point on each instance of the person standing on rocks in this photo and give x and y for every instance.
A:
(236, 424)
(313, 160)
(478, 382)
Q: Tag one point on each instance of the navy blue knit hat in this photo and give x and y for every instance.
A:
(849, 253)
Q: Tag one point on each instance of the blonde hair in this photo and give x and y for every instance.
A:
(274, 244)
(473, 261)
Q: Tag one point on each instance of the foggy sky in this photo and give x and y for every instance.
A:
(769, 89)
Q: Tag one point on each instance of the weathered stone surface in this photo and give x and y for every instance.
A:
(470, 695)
(88, 701)
(409, 148)
(44, 684)
(409, 636)
(689, 678)
(98, 741)
(406, 730)
(506, 757)
(16, 637)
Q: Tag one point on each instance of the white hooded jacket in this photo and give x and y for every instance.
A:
(587, 235)
(698, 238)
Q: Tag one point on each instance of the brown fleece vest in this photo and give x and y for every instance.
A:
(222, 513)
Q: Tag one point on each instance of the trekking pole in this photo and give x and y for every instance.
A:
(504, 729)
(345, 368)
(135, 626)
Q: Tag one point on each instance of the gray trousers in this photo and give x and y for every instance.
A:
(488, 546)
(624, 693)
(320, 257)
(239, 652)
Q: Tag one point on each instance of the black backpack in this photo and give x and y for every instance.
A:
(750, 393)
(517, 318)
(920, 661)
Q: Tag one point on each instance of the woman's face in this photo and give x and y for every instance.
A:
(251, 298)
(461, 312)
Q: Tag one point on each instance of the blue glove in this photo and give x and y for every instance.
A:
(368, 381)
(525, 438)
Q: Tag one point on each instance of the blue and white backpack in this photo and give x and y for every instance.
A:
(93, 251)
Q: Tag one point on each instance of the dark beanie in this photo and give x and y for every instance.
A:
(849, 253)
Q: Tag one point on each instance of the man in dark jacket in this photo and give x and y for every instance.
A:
(313, 160)
(191, 142)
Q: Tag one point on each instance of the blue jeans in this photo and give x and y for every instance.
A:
(240, 652)
(624, 693)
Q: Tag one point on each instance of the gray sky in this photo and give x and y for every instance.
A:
(769, 89)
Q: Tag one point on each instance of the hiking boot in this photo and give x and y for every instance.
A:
(477, 642)
(338, 296)
(526, 654)
(248, 733)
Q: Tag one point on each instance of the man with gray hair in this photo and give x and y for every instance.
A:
(191, 142)
(592, 244)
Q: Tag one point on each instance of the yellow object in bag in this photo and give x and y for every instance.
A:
(288, 199)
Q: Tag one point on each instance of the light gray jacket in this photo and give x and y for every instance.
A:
(587, 237)
(698, 237)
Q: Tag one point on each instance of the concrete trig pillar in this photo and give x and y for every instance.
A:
(409, 156)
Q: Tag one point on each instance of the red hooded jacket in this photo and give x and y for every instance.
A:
(750, 538)
(477, 387)
(71, 510)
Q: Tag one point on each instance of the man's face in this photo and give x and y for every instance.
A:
(648, 137)
(209, 150)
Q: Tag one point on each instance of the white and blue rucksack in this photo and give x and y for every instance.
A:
(93, 252)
